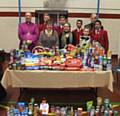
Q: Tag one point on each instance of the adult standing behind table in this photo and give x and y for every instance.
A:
(28, 31)
(91, 25)
(79, 30)
(100, 35)
(48, 37)
(62, 21)
(66, 37)
(46, 18)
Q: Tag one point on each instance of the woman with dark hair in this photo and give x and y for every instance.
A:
(66, 37)
(100, 35)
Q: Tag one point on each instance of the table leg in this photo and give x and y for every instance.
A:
(21, 91)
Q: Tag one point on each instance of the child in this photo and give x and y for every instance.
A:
(44, 107)
(85, 39)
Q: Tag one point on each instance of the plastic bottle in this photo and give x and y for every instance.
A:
(104, 63)
(80, 111)
(10, 112)
(75, 114)
(72, 112)
(92, 111)
(109, 64)
(115, 113)
(110, 112)
(106, 112)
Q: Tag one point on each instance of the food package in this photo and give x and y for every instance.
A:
(73, 62)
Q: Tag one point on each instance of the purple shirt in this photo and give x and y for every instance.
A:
(28, 31)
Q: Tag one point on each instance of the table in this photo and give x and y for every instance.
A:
(57, 79)
(116, 73)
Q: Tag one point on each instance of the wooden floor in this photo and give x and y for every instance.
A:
(56, 96)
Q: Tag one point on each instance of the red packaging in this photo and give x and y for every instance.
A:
(73, 62)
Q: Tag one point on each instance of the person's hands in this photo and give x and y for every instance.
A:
(29, 41)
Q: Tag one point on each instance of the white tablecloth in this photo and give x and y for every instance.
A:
(57, 79)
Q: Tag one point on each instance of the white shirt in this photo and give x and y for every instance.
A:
(44, 107)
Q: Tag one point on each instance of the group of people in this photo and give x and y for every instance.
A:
(49, 35)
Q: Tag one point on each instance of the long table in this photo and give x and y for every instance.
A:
(57, 79)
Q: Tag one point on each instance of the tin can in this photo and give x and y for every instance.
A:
(115, 113)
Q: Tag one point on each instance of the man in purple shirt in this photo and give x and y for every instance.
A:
(28, 32)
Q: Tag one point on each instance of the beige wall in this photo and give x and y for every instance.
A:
(108, 6)
(8, 33)
(8, 30)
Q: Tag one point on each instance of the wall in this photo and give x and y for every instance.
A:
(107, 6)
(8, 30)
